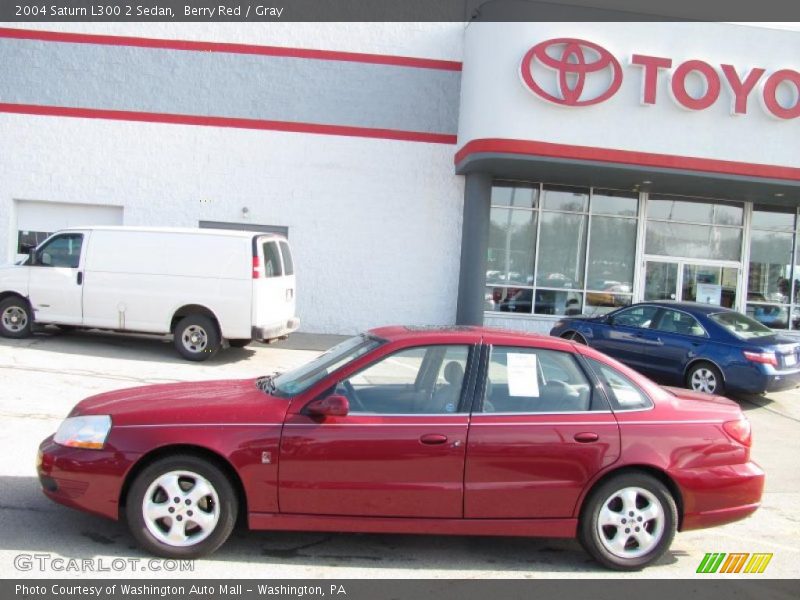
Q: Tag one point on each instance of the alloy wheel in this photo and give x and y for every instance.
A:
(181, 508)
(704, 380)
(631, 522)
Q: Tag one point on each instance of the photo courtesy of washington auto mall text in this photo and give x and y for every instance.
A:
(395, 299)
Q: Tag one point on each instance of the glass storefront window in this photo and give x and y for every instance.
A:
(693, 241)
(515, 194)
(556, 197)
(509, 299)
(610, 202)
(562, 250)
(773, 218)
(709, 285)
(770, 267)
(512, 244)
(612, 254)
(557, 302)
(669, 208)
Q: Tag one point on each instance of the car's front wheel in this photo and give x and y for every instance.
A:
(181, 507)
(16, 317)
(628, 522)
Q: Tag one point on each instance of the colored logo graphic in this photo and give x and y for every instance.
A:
(742, 562)
(573, 61)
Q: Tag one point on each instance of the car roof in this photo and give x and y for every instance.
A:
(467, 334)
(696, 308)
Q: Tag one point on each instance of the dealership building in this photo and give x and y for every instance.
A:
(428, 173)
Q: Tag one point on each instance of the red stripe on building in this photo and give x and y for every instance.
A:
(115, 40)
(625, 157)
(125, 115)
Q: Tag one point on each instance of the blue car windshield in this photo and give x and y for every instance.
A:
(741, 326)
(300, 379)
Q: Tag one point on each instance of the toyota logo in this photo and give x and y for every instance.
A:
(573, 61)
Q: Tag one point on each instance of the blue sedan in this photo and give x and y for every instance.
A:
(704, 347)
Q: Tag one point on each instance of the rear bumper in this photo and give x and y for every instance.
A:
(758, 381)
(718, 495)
(89, 480)
(276, 331)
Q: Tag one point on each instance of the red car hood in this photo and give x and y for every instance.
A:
(206, 402)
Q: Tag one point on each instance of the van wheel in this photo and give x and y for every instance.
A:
(181, 507)
(628, 522)
(16, 317)
(239, 343)
(196, 338)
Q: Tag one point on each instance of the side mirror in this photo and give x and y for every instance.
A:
(330, 406)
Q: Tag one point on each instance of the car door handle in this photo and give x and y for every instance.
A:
(586, 437)
(80, 277)
(433, 438)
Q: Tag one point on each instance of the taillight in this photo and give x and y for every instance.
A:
(256, 268)
(739, 431)
(765, 358)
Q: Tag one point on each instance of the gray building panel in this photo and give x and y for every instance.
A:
(220, 84)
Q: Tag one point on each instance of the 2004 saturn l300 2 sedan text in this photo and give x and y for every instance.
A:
(415, 430)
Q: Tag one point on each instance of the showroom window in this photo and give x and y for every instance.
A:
(558, 250)
(770, 276)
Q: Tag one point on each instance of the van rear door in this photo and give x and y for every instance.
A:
(273, 283)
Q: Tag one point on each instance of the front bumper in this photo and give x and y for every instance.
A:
(718, 495)
(89, 480)
(276, 331)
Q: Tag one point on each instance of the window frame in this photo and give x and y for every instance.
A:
(483, 375)
(588, 214)
(43, 246)
(467, 384)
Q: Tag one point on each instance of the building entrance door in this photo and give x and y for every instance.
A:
(707, 282)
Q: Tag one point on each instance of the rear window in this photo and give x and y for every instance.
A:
(742, 326)
(288, 263)
(272, 260)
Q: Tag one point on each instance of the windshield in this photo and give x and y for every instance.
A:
(741, 326)
(300, 379)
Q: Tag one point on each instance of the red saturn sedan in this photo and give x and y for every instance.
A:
(467, 431)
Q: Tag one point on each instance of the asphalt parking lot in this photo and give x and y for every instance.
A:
(42, 377)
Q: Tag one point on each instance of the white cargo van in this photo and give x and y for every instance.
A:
(202, 285)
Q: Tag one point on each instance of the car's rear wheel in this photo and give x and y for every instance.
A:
(705, 377)
(16, 317)
(575, 337)
(239, 343)
(196, 337)
(628, 521)
(181, 507)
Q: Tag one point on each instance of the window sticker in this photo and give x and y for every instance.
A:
(523, 378)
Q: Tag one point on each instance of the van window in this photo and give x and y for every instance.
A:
(272, 260)
(288, 263)
(61, 251)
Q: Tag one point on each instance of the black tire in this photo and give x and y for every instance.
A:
(239, 343)
(190, 468)
(574, 336)
(16, 317)
(705, 377)
(630, 556)
(196, 338)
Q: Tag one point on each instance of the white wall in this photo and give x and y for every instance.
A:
(375, 224)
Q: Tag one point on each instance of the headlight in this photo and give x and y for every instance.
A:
(84, 432)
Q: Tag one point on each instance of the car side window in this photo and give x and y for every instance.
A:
(622, 392)
(674, 321)
(419, 380)
(638, 316)
(535, 380)
(288, 263)
(61, 251)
